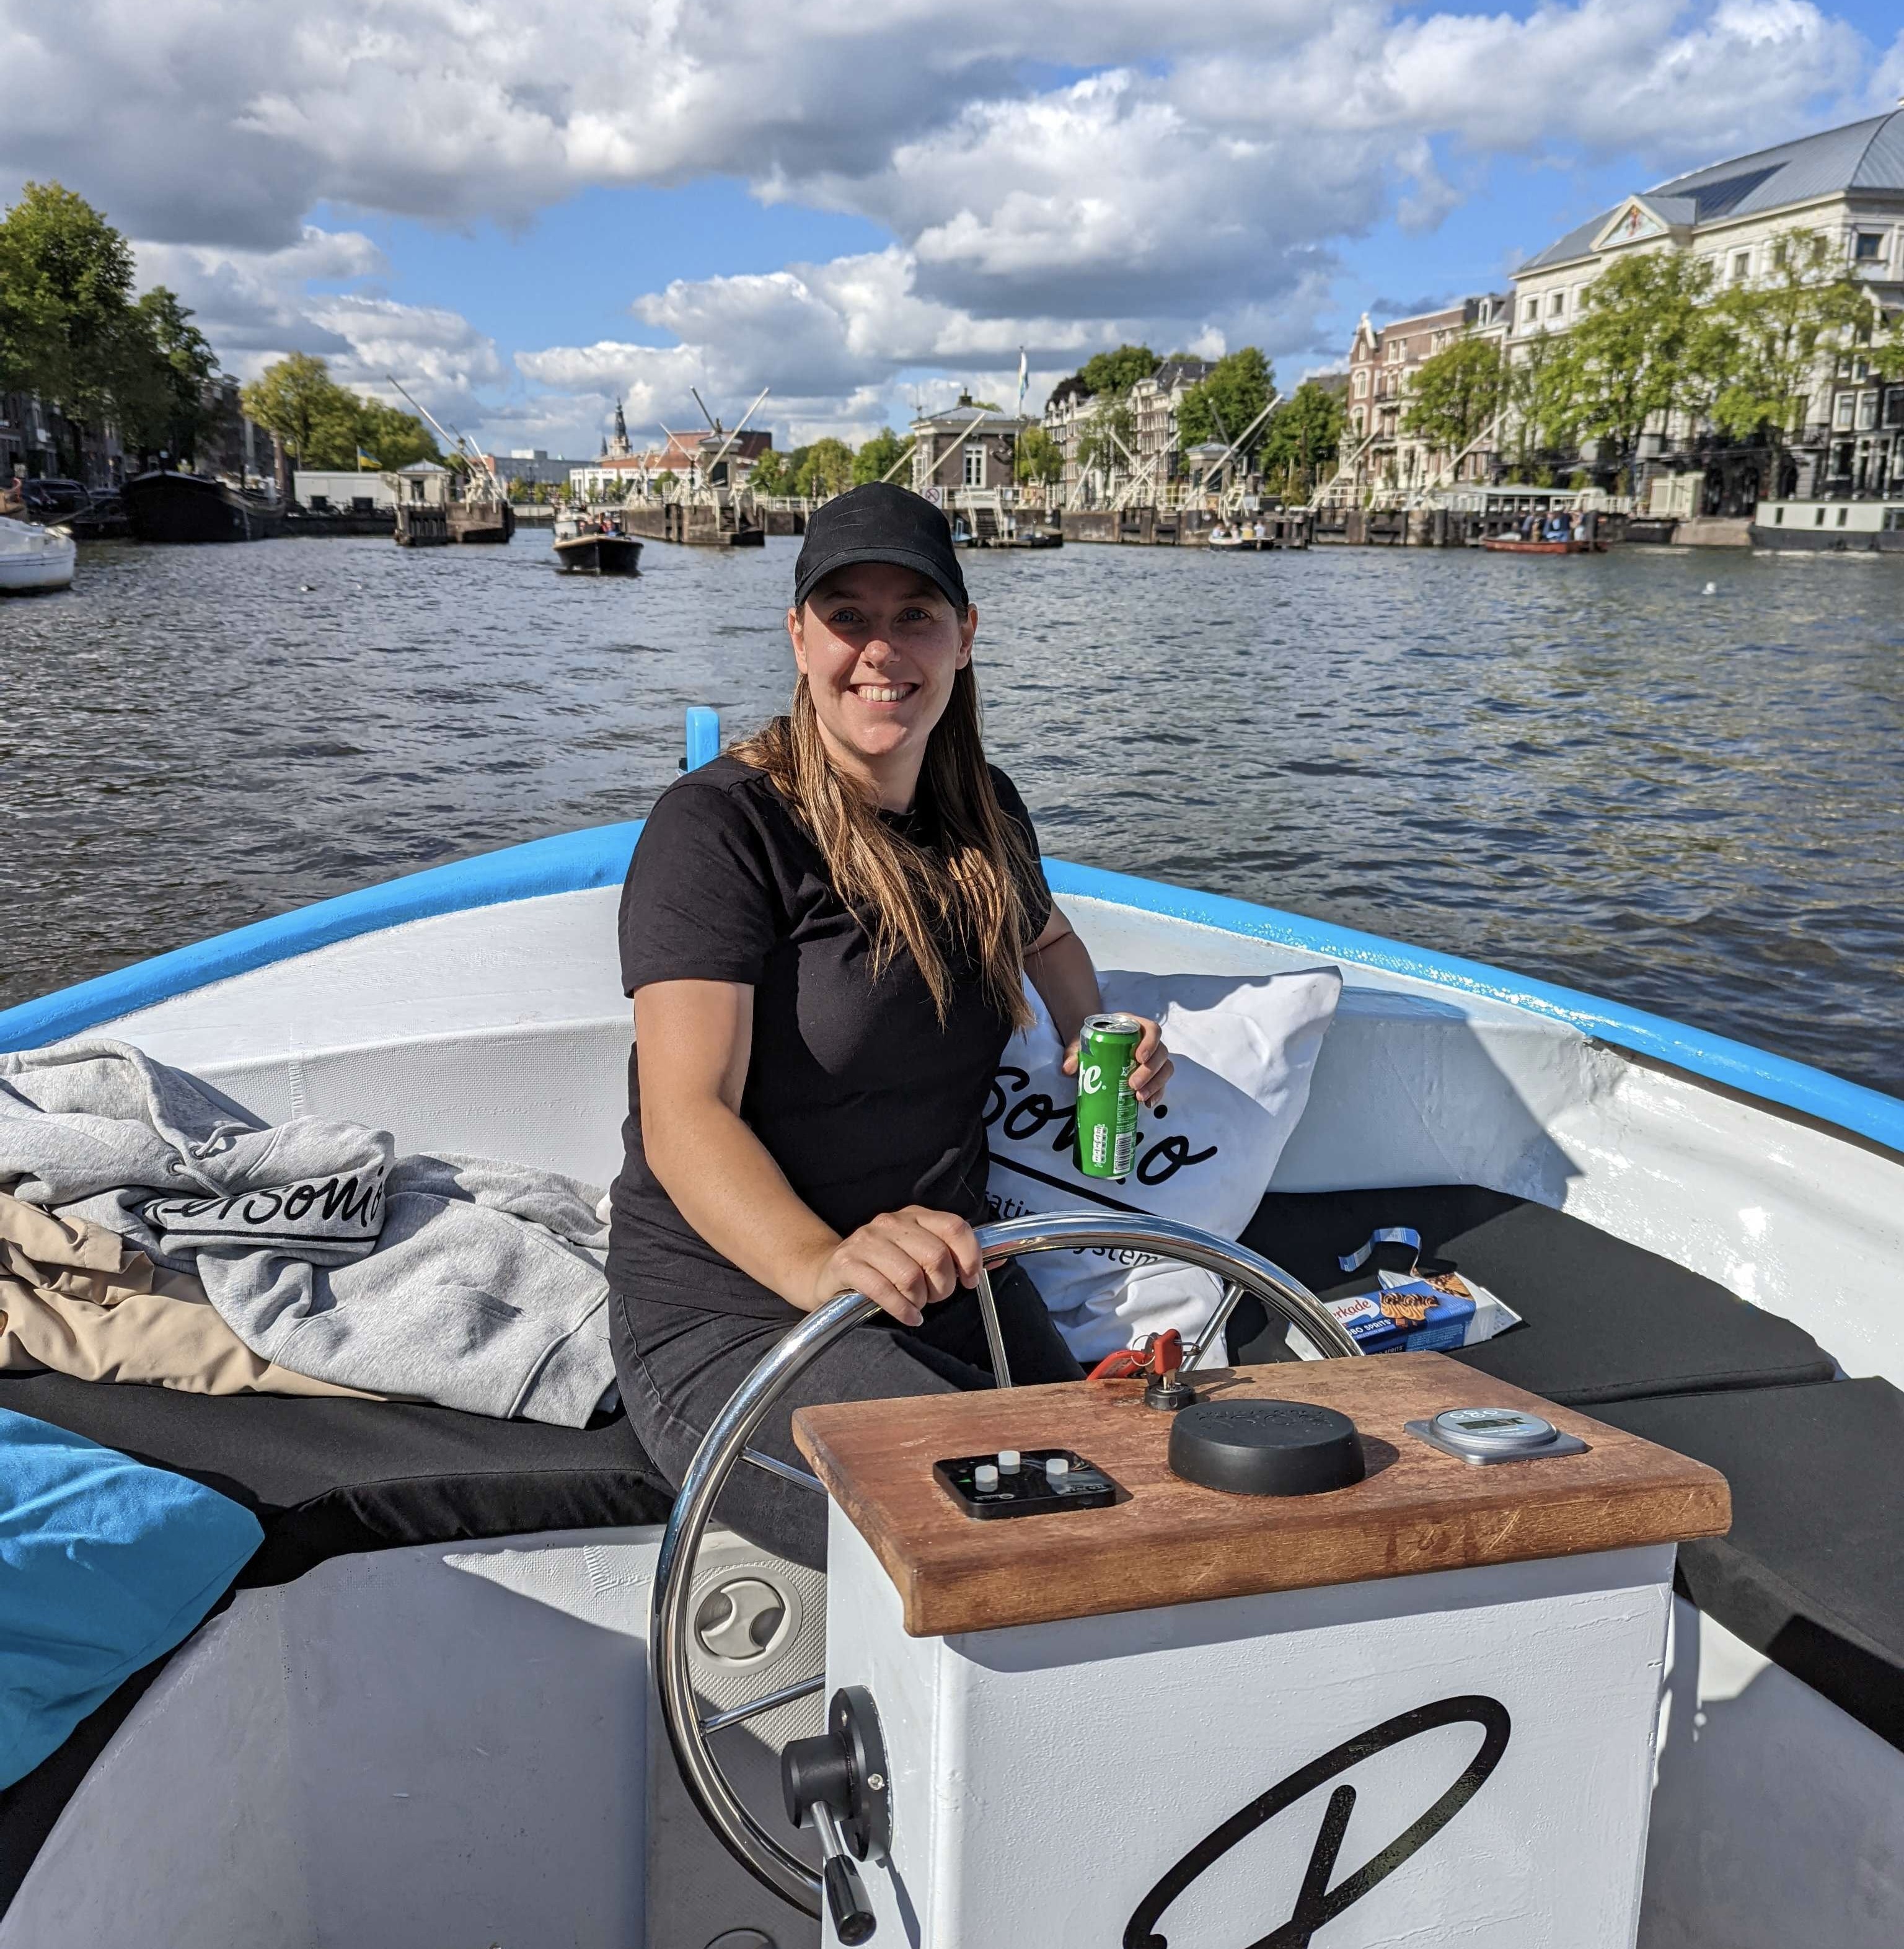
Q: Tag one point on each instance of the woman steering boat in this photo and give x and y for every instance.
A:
(826, 932)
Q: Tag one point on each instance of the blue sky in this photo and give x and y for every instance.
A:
(522, 208)
(571, 271)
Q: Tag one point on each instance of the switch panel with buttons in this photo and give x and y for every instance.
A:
(1028, 1482)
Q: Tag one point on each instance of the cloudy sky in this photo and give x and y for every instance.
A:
(521, 208)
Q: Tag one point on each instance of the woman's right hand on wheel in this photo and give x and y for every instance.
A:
(902, 1260)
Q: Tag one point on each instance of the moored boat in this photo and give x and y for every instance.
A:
(34, 559)
(166, 507)
(427, 1716)
(1830, 527)
(1511, 545)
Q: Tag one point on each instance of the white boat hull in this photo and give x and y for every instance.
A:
(33, 560)
(371, 1795)
(1417, 1084)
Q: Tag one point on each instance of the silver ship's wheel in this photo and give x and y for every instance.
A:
(725, 1447)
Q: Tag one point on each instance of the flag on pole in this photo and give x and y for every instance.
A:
(365, 459)
(1024, 378)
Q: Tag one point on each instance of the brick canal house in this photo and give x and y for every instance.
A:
(1379, 453)
(1848, 183)
(36, 442)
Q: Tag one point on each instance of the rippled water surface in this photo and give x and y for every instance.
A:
(1590, 769)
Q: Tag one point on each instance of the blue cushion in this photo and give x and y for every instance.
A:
(105, 1565)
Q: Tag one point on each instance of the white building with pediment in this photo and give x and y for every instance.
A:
(1847, 183)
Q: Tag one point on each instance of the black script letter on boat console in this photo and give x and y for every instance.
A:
(1316, 1903)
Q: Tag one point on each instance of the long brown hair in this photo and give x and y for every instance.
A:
(964, 888)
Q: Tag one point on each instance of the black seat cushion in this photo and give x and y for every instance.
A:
(328, 1476)
(1812, 1573)
(1603, 1320)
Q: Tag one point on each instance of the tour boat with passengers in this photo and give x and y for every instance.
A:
(1635, 1671)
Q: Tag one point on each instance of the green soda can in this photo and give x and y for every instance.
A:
(1107, 1142)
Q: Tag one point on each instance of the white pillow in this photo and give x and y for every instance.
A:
(1244, 1048)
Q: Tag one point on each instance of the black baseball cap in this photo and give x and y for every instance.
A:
(880, 522)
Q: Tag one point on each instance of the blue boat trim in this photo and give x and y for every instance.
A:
(1735, 1065)
(567, 862)
(598, 857)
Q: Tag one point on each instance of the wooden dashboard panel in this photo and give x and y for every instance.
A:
(1168, 1541)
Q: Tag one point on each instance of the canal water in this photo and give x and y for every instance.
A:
(1675, 779)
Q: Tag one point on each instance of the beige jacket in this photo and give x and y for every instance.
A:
(78, 1299)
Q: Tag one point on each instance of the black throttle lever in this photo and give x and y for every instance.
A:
(853, 1921)
(838, 1782)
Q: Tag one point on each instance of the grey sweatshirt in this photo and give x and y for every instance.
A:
(458, 1280)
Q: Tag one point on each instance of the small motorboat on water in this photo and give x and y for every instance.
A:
(168, 507)
(1249, 538)
(591, 545)
(34, 559)
(489, 1681)
(1514, 545)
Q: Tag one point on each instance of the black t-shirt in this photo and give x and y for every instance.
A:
(860, 1096)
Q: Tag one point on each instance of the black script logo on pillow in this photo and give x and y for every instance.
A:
(1316, 1903)
(1024, 1114)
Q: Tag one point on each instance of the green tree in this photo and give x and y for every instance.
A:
(878, 457)
(826, 469)
(1634, 355)
(16, 322)
(1303, 436)
(163, 370)
(771, 474)
(1782, 327)
(1542, 387)
(71, 332)
(68, 275)
(1887, 352)
(1040, 458)
(796, 459)
(391, 438)
(1114, 373)
(1223, 403)
(298, 400)
(323, 424)
(1456, 393)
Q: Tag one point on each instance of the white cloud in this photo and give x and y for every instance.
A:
(435, 352)
(1189, 184)
(256, 306)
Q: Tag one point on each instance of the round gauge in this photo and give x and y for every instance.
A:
(1494, 1430)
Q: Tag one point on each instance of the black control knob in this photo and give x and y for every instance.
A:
(1265, 1447)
